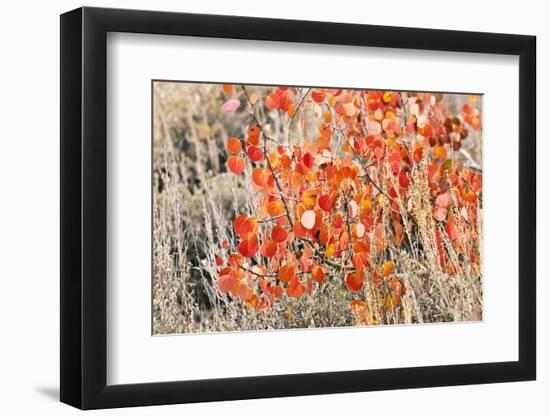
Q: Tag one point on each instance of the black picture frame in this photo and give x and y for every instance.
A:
(84, 207)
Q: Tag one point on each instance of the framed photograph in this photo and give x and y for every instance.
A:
(255, 208)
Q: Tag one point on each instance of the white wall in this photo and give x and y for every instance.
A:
(29, 207)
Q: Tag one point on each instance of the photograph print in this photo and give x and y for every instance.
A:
(294, 207)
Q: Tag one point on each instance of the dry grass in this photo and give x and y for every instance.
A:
(196, 199)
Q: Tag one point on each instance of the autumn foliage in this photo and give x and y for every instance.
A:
(380, 179)
(339, 207)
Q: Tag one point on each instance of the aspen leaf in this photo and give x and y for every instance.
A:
(234, 145)
(360, 230)
(404, 179)
(286, 273)
(226, 283)
(272, 102)
(354, 281)
(230, 105)
(373, 127)
(318, 274)
(243, 225)
(268, 248)
(387, 268)
(249, 247)
(275, 208)
(260, 177)
(318, 96)
(349, 109)
(252, 301)
(291, 110)
(308, 219)
(295, 288)
(352, 208)
(255, 154)
(276, 291)
(279, 234)
(236, 164)
(442, 200)
(440, 213)
(325, 202)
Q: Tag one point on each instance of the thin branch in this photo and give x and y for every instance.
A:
(294, 115)
(244, 268)
(271, 219)
(277, 183)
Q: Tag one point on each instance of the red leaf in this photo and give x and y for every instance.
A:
(279, 234)
(286, 273)
(318, 96)
(243, 225)
(249, 247)
(295, 289)
(255, 154)
(404, 179)
(354, 281)
(268, 248)
(318, 274)
(236, 164)
(326, 202)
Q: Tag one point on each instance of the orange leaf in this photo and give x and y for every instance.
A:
(242, 291)
(226, 283)
(275, 208)
(260, 177)
(272, 101)
(291, 110)
(255, 154)
(295, 289)
(451, 229)
(440, 152)
(234, 145)
(354, 281)
(286, 161)
(268, 248)
(387, 268)
(318, 274)
(279, 234)
(276, 291)
(254, 130)
(243, 225)
(252, 301)
(286, 273)
(236, 164)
